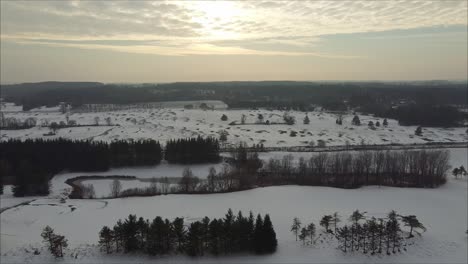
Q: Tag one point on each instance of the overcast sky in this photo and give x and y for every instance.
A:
(146, 41)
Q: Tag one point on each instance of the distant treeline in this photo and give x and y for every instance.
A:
(31, 163)
(228, 235)
(380, 98)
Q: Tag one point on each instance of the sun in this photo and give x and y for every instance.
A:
(216, 17)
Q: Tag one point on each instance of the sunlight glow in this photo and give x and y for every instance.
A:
(212, 14)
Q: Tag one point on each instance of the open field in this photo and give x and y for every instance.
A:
(171, 123)
(442, 210)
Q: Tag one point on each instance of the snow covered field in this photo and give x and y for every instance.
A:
(169, 123)
(443, 211)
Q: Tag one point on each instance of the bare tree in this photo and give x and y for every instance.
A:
(116, 188)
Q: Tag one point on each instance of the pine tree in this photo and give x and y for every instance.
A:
(303, 235)
(312, 231)
(325, 222)
(413, 223)
(224, 117)
(130, 234)
(194, 242)
(343, 235)
(385, 122)
(393, 232)
(356, 121)
(258, 235)
(118, 235)
(296, 226)
(306, 120)
(215, 233)
(356, 216)
(418, 131)
(106, 236)
(179, 232)
(56, 243)
(270, 242)
(335, 220)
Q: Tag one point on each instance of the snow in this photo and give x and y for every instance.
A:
(7, 199)
(163, 124)
(442, 210)
(59, 186)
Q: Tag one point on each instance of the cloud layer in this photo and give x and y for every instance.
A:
(215, 27)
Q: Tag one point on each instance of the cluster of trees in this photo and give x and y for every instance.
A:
(418, 168)
(363, 234)
(228, 235)
(426, 115)
(55, 243)
(459, 171)
(14, 123)
(192, 150)
(29, 164)
(375, 236)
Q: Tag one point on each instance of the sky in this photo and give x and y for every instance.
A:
(167, 41)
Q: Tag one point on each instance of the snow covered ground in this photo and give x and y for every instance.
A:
(443, 211)
(169, 123)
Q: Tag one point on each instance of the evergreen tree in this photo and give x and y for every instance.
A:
(179, 232)
(311, 231)
(130, 234)
(343, 235)
(356, 216)
(296, 226)
(306, 120)
(418, 131)
(55, 243)
(335, 220)
(385, 122)
(356, 121)
(413, 223)
(194, 241)
(106, 236)
(215, 234)
(155, 244)
(326, 221)
(224, 117)
(270, 242)
(118, 235)
(303, 235)
(258, 235)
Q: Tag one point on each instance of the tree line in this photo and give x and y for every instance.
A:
(245, 170)
(228, 235)
(415, 168)
(31, 163)
(364, 235)
(192, 150)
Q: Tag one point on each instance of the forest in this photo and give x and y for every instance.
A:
(384, 99)
(30, 164)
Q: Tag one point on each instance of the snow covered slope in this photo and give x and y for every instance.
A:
(166, 124)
